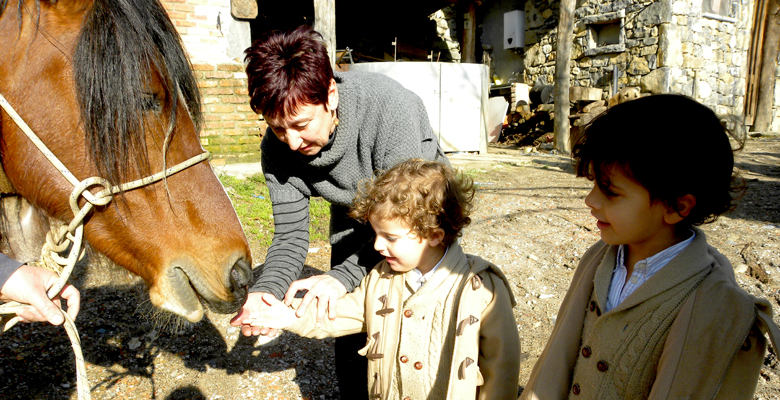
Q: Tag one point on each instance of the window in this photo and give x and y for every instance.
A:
(718, 9)
(605, 33)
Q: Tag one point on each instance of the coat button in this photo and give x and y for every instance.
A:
(404, 359)
(407, 398)
(418, 365)
(602, 366)
(575, 389)
(592, 306)
(586, 352)
(407, 313)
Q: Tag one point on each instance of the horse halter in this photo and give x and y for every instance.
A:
(58, 240)
(80, 187)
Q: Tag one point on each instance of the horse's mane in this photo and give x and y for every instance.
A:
(121, 43)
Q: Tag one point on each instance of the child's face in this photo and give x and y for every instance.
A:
(626, 215)
(403, 249)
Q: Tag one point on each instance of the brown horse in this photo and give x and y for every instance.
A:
(107, 87)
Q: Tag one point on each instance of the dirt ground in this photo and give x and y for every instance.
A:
(530, 220)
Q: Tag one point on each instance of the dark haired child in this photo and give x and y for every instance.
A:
(439, 322)
(653, 311)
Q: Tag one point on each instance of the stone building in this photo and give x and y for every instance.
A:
(701, 48)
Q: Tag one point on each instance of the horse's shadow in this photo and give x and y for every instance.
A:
(120, 342)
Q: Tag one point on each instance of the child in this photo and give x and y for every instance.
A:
(653, 311)
(439, 322)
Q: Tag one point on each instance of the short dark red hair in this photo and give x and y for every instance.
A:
(286, 70)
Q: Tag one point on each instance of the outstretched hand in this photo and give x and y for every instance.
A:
(276, 316)
(325, 288)
(29, 285)
(254, 305)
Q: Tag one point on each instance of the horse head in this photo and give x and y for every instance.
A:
(107, 87)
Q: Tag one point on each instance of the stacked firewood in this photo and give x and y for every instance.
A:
(525, 127)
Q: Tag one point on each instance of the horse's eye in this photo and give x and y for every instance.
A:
(149, 102)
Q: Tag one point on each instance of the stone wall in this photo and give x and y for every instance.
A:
(447, 31)
(664, 46)
(215, 43)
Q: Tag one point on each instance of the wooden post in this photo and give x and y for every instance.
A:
(562, 75)
(469, 48)
(766, 87)
(325, 24)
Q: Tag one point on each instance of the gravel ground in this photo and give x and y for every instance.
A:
(530, 219)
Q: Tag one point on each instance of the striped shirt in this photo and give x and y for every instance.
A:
(620, 289)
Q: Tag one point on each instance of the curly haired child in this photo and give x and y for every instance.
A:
(653, 311)
(439, 322)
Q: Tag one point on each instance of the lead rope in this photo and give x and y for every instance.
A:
(60, 237)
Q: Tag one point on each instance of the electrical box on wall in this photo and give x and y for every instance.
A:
(514, 29)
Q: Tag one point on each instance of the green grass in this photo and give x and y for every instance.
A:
(253, 206)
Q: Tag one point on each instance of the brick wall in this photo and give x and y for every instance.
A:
(232, 131)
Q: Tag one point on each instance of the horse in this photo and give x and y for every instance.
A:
(108, 88)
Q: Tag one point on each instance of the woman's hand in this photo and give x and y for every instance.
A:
(29, 285)
(325, 288)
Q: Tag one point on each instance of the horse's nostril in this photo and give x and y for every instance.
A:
(240, 274)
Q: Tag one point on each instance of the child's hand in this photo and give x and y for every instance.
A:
(276, 316)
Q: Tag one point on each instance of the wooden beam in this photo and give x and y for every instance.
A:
(754, 61)
(766, 87)
(325, 24)
(562, 74)
(469, 42)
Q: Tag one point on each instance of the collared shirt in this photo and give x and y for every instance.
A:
(417, 278)
(620, 289)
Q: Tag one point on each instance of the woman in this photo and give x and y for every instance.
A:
(326, 133)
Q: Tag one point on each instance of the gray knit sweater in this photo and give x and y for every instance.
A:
(380, 124)
(7, 268)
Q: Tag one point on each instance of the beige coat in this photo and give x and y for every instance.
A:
(711, 347)
(455, 338)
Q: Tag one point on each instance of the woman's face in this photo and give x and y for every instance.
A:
(308, 130)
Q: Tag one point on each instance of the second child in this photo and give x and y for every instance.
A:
(440, 323)
(653, 311)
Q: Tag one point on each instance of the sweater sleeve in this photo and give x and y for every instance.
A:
(289, 247)
(7, 268)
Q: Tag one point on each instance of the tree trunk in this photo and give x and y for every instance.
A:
(325, 24)
(562, 75)
(766, 87)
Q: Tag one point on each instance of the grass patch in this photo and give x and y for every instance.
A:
(473, 173)
(253, 206)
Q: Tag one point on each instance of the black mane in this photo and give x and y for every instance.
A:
(121, 44)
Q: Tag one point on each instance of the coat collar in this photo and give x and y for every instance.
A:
(684, 266)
